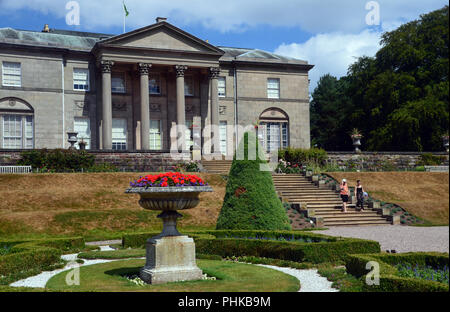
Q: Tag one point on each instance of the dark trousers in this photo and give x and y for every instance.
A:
(360, 201)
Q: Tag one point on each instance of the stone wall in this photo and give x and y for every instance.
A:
(124, 161)
(379, 160)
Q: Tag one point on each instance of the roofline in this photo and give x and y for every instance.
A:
(168, 25)
(28, 47)
(235, 62)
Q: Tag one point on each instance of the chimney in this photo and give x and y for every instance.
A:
(46, 29)
(161, 19)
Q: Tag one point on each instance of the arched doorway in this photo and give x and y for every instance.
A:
(16, 124)
(273, 129)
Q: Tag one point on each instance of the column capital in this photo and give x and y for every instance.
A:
(214, 72)
(144, 68)
(106, 66)
(180, 69)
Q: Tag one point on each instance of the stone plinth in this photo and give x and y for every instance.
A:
(170, 259)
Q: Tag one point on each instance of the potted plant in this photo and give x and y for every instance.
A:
(170, 255)
(82, 144)
(356, 137)
(445, 142)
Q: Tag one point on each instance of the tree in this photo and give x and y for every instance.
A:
(399, 99)
(251, 202)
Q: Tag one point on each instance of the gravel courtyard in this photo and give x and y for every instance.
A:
(398, 237)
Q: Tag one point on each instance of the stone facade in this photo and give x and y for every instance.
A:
(161, 53)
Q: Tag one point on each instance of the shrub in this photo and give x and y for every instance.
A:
(303, 156)
(57, 160)
(250, 199)
(315, 248)
(428, 159)
(390, 279)
(31, 257)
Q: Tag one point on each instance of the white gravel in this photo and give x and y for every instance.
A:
(398, 237)
(310, 280)
(40, 280)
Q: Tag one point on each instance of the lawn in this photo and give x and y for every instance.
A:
(424, 194)
(230, 276)
(91, 204)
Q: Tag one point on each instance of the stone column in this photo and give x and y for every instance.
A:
(214, 75)
(181, 110)
(145, 105)
(206, 115)
(106, 67)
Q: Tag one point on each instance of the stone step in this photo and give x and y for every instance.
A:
(349, 214)
(355, 223)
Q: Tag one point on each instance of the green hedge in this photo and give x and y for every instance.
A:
(322, 248)
(29, 257)
(389, 279)
(57, 160)
(303, 156)
(138, 240)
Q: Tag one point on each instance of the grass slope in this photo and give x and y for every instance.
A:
(424, 194)
(230, 277)
(91, 204)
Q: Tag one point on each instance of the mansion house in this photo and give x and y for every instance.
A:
(126, 92)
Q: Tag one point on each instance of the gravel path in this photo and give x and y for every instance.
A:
(398, 237)
(310, 280)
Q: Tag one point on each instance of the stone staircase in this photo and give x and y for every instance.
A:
(217, 166)
(323, 202)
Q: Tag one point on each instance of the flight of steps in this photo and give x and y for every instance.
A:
(217, 166)
(327, 203)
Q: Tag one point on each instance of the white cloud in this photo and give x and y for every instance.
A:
(233, 15)
(332, 52)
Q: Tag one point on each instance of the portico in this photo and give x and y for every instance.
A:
(128, 55)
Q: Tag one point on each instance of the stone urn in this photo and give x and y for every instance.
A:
(357, 142)
(170, 256)
(72, 139)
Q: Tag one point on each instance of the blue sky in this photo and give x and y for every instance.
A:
(329, 34)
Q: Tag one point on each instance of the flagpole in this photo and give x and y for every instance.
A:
(124, 16)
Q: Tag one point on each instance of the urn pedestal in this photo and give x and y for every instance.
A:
(170, 259)
(170, 256)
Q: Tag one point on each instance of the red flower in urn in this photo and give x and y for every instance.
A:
(168, 179)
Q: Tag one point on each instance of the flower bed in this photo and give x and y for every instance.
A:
(394, 280)
(168, 179)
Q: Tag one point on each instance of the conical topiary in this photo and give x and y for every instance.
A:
(251, 202)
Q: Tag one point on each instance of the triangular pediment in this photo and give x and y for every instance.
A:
(162, 36)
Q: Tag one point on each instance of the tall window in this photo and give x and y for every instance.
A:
(155, 134)
(119, 134)
(188, 86)
(223, 137)
(83, 127)
(154, 85)
(12, 74)
(18, 131)
(222, 86)
(118, 83)
(273, 135)
(273, 88)
(81, 79)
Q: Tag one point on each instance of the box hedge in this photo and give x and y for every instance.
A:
(322, 248)
(390, 281)
(35, 255)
